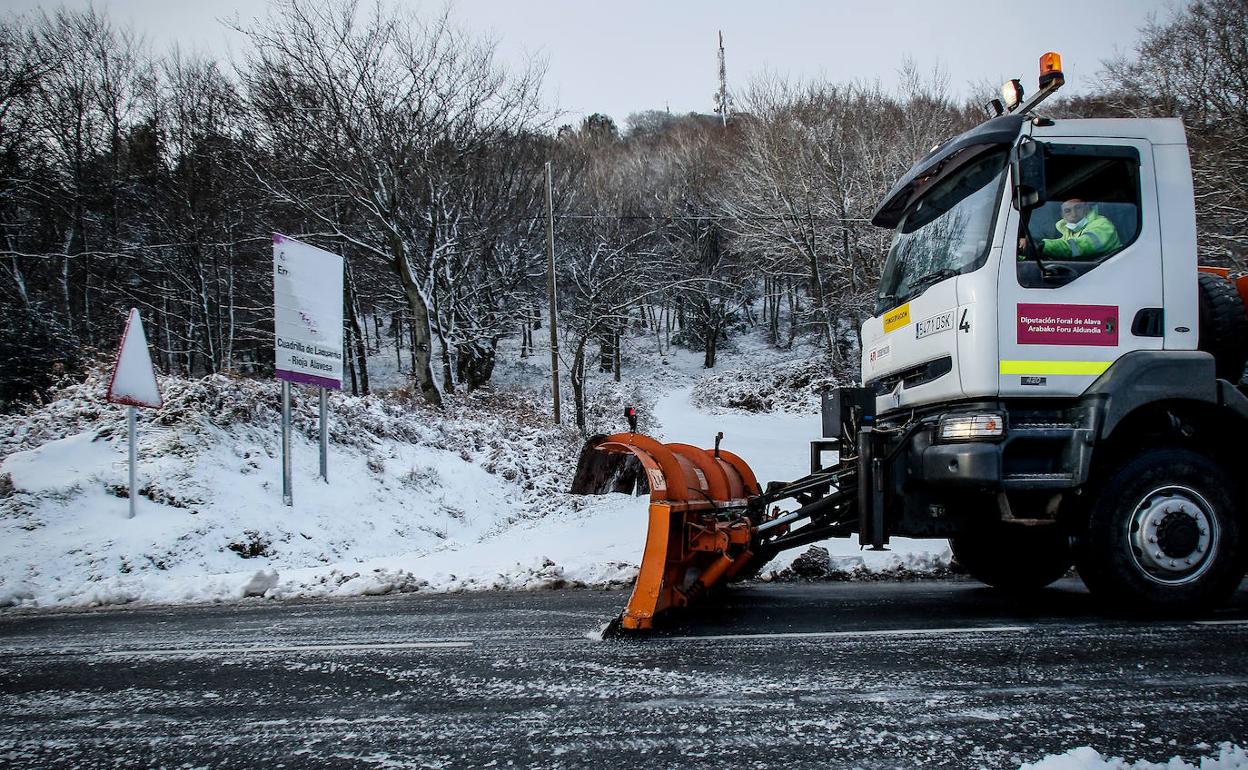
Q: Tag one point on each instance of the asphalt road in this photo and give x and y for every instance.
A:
(831, 675)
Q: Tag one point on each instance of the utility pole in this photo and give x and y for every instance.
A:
(550, 290)
(723, 102)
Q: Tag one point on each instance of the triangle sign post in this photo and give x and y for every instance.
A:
(134, 384)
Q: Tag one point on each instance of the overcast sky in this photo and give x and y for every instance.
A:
(631, 55)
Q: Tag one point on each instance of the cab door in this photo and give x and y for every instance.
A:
(1065, 318)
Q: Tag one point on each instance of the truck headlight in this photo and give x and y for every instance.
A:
(968, 427)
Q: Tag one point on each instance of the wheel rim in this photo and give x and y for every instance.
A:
(1173, 535)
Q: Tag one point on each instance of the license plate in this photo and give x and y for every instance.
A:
(933, 325)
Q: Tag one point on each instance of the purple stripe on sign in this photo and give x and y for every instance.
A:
(309, 379)
(278, 238)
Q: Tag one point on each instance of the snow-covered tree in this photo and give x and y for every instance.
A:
(370, 121)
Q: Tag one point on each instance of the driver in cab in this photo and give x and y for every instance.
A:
(1084, 234)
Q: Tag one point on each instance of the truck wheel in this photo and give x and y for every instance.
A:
(1223, 326)
(1013, 557)
(1163, 533)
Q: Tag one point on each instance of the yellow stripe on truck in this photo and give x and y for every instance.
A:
(1093, 368)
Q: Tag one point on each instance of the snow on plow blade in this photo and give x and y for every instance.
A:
(699, 532)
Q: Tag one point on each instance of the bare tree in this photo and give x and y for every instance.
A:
(381, 114)
(604, 255)
(813, 162)
(1195, 66)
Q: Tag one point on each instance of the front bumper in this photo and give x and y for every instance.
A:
(1047, 447)
(911, 485)
(960, 465)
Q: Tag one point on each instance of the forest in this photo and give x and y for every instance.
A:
(132, 177)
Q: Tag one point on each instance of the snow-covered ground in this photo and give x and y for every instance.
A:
(470, 498)
(1227, 757)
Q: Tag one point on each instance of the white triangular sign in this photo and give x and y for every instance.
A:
(134, 379)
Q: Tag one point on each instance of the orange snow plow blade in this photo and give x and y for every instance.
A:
(699, 533)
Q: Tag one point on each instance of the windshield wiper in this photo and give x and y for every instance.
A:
(930, 279)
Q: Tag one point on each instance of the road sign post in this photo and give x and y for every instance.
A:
(308, 343)
(324, 435)
(134, 384)
(132, 432)
(288, 497)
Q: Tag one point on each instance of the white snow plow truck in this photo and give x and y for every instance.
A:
(1049, 380)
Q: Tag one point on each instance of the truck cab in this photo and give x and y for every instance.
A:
(964, 312)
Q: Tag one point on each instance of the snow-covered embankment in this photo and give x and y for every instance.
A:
(470, 497)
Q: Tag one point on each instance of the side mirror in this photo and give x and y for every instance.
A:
(1027, 174)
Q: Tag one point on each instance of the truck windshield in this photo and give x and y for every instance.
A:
(946, 232)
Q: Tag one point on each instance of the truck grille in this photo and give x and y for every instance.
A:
(912, 377)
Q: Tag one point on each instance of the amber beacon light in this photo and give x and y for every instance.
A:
(1051, 70)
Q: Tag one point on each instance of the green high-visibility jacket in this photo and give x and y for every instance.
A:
(1098, 236)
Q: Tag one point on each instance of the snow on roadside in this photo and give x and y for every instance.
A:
(472, 497)
(407, 481)
(1229, 757)
(791, 386)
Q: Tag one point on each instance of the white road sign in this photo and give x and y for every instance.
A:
(134, 380)
(307, 313)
